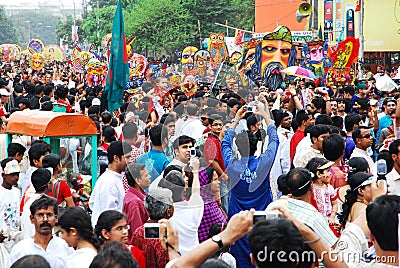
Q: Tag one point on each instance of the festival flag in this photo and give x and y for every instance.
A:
(358, 6)
(118, 69)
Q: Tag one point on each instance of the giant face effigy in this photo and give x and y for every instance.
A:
(273, 54)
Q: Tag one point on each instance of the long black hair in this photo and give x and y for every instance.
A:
(76, 217)
(106, 221)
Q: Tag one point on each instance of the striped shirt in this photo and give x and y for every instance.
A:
(309, 215)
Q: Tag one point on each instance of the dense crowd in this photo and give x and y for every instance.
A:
(218, 178)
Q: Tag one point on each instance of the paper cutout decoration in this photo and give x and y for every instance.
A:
(96, 73)
(316, 58)
(10, 52)
(35, 48)
(53, 53)
(217, 49)
(273, 54)
(201, 62)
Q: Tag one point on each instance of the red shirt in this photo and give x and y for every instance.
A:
(137, 255)
(156, 256)
(64, 192)
(133, 208)
(213, 151)
(296, 138)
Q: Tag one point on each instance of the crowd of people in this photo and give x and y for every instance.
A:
(202, 169)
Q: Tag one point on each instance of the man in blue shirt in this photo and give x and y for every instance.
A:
(155, 160)
(249, 176)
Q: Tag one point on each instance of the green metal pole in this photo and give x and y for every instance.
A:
(94, 160)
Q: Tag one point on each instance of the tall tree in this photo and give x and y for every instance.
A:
(160, 26)
(8, 33)
(98, 23)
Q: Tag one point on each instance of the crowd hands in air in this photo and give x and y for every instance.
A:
(227, 178)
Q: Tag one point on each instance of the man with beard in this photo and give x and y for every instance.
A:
(44, 215)
(274, 54)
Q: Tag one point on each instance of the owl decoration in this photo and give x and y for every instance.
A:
(217, 48)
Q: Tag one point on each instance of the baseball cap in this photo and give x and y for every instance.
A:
(360, 179)
(96, 101)
(12, 167)
(4, 92)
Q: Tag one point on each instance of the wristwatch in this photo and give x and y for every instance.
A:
(217, 239)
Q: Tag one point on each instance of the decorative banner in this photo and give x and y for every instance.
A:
(316, 58)
(35, 48)
(53, 53)
(328, 21)
(346, 53)
(272, 55)
(302, 37)
(138, 65)
(217, 49)
(358, 5)
(239, 36)
(96, 72)
(350, 22)
(10, 52)
(339, 20)
(81, 56)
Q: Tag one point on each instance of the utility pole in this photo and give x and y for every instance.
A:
(361, 37)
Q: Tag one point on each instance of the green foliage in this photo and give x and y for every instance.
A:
(98, 23)
(8, 34)
(161, 26)
(167, 25)
(64, 30)
(243, 14)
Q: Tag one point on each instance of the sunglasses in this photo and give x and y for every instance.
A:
(203, 118)
(368, 136)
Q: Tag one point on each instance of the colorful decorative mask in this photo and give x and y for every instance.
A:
(201, 61)
(96, 73)
(217, 49)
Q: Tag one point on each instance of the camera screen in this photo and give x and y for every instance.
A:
(257, 218)
(152, 232)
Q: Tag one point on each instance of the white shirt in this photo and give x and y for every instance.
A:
(108, 193)
(306, 155)
(9, 207)
(357, 152)
(56, 252)
(27, 227)
(193, 128)
(393, 179)
(27, 180)
(304, 144)
(282, 159)
(186, 220)
(81, 258)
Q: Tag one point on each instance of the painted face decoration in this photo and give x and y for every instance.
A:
(187, 59)
(138, 65)
(96, 72)
(273, 55)
(201, 60)
(37, 62)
